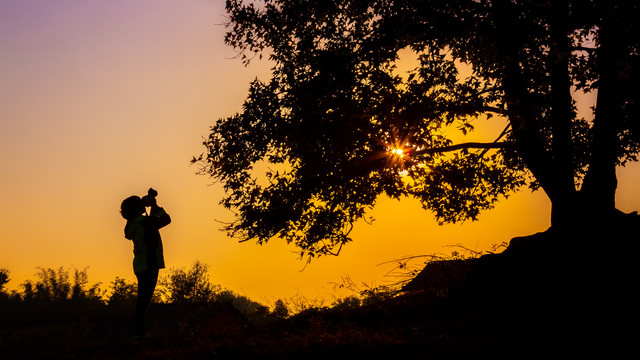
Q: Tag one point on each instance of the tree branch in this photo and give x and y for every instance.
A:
(583, 48)
(494, 109)
(468, 145)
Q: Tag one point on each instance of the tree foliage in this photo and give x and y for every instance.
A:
(338, 125)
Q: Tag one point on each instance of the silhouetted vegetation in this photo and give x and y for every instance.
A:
(192, 286)
(55, 295)
(61, 310)
(189, 286)
(4, 278)
(459, 306)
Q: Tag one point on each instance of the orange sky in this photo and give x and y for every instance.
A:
(101, 99)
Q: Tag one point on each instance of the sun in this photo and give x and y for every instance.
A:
(398, 152)
(399, 156)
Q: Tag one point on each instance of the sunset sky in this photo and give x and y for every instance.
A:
(100, 100)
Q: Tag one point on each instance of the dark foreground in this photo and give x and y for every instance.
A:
(406, 325)
(500, 306)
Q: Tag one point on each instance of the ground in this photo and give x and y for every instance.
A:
(509, 305)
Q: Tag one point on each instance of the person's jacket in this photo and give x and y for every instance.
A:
(147, 244)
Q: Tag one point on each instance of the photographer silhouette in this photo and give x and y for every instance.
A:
(148, 258)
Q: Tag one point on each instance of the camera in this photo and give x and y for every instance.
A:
(147, 199)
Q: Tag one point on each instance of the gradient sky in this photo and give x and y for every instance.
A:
(101, 99)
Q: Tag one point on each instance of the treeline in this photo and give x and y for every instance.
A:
(67, 295)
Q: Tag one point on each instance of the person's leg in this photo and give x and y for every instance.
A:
(146, 285)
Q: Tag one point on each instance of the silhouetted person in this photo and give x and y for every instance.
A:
(148, 258)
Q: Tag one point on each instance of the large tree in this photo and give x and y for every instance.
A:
(340, 125)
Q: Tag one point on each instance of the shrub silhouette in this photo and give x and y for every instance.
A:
(122, 292)
(55, 295)
(189, 286)
(4, 279)
(349, 302)
(60, 312)
(280, 310)
(56, 286)
(192, 286)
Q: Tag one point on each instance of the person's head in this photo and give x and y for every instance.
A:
(131, 207)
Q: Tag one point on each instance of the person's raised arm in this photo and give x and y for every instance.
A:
(159, 216)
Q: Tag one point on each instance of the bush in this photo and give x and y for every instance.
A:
(4, 279)
(192, 286)
(188, 286)
(280, 310)
(349, 302)
(122, 292)
(53, 296)
(55, 287)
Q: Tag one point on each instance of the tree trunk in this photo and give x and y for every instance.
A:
(600, 183)
(554, 169)
(526, 128)
(561, 117)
